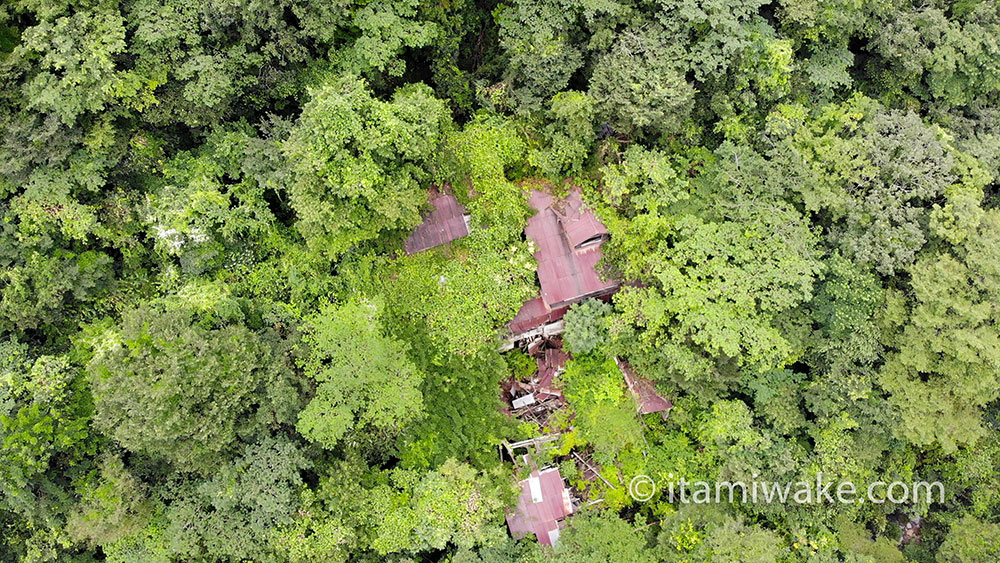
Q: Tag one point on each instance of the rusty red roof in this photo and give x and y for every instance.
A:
(544, 501)
(647, 398)
(534, 314)
(568, 237)
(581, 226)
(445, 222)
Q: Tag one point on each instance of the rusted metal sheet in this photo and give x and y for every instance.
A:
(646, 396)
(445, 222)
(561, 230)
(549, 365)
(532, 314)
(543, 502)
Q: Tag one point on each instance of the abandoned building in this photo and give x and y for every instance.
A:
(446, 221)
(568, 238)
(543, 503)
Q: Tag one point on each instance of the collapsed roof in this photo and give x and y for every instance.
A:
(550, 364)
(647, 398)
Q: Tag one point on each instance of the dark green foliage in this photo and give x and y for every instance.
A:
(639, 84)
(182, 384)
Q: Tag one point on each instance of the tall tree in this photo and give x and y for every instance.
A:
(364, 381)
(185, 384)
(360, 165)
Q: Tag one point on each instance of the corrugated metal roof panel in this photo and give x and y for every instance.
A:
(646, 395)
(445, 222)
(532, 314)
(524, 401)
(580, 224)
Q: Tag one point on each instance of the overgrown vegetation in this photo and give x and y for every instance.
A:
(213, 347)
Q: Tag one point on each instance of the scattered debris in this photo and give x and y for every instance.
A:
(911, 531)
(590, 472)
(524, 401)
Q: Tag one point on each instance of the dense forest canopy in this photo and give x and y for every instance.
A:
(213, 346)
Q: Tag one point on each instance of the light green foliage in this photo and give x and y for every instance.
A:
(970, 539)
(463, 416)
(649, 180)
(114, 505)
(314, 535)
(945, 367)
(44, 415)
(212, 201)
(773, 262)
(410, 511)
(383, 30)
(462, 301)
(479, 158)
(360, 165)
(213, 347)
(452, 505)
(586, 326)
(605, 413)
(708, 533)
(363, 377)
(742, 450)
(77, 70)
(873, 171)
(971, 476)
(721, 279)
(855, 539)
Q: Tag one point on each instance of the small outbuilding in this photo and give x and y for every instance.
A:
(446, 221)
(543, 503)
